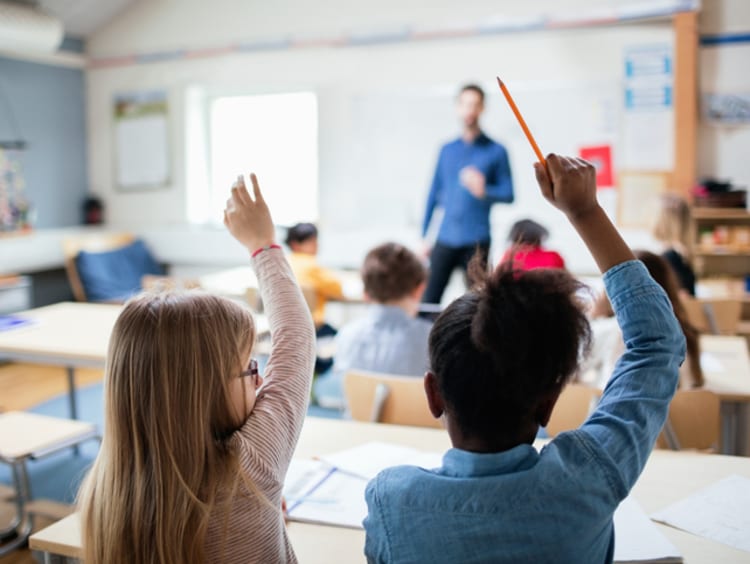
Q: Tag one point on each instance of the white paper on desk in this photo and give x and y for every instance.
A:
(316, 492)
(637, 539)
(370, 458)
(720, 512)
(710, 362)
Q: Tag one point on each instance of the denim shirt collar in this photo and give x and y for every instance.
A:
(464, 464)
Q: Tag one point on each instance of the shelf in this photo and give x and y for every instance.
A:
(722, 252)
(720, 213)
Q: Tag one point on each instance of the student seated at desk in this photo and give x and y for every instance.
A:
(195, 451)
(672, 229)
(390, 338)
(500, 356)
(607, 344)
(302, 240)
(526, 237)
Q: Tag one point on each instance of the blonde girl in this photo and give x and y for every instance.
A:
(672, 229)
(195, 451)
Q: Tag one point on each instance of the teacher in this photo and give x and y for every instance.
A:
(472, 173)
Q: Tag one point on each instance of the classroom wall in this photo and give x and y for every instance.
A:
(723, 149)
(543, 67)
(48, 103)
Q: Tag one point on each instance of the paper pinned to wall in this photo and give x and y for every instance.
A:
(718, 512)
(648, 125)
(141, 140)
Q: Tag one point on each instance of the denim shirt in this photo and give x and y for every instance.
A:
(467, 219)
(555, 505)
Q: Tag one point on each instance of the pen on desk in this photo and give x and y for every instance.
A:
(521, 121)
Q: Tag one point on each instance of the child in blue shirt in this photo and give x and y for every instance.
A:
(500, 356)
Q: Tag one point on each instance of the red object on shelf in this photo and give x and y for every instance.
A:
(601, 157)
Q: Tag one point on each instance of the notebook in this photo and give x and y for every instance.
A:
(9, 322)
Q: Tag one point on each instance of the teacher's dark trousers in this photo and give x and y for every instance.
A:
(443, 260)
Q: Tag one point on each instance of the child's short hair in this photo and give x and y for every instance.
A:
(391, 272)
(527, 232)
(503, 346)
(300, 233)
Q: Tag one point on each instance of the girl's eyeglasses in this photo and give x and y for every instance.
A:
(252, 370)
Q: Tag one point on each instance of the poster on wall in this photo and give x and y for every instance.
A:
(141, 140)
(601, 157)
(729, 109)
(648, 125)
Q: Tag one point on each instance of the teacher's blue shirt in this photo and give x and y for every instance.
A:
(555, 505)
(467, 219)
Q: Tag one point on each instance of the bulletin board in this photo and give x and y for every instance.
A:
(141, 140)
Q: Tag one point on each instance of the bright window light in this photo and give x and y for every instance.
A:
(275, 136)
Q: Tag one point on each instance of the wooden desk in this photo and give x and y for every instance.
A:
(668, 477)
(726, 367)
(66, 334)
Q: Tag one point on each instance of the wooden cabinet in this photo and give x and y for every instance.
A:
(721, 255)
(721, 242)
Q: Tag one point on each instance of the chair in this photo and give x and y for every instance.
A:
(385, 398)
(27, 436)
(717, 317)
(106, 266)
(694, 422)
(310, 295)
(572, 408)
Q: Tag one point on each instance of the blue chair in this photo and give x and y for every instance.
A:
(105, 267)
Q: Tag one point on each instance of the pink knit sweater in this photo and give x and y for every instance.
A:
(266, 442)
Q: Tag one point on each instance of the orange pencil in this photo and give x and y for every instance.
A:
(521, 122)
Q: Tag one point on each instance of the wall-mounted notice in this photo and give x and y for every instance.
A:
(730, 109)
(648, 127)
(141, 140)
(601, 157)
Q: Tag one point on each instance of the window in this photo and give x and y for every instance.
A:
(275, 136)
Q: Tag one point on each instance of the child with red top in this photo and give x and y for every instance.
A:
(526, 237)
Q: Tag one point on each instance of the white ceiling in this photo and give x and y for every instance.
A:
(80, 17)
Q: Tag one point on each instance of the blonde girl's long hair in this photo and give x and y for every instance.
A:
(165, 463)
(673, 224)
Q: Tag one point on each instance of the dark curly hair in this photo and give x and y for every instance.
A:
(509, 342)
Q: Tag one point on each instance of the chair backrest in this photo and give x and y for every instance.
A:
(310, 295)
(694, 421)
(386, 398)
(92, 243)
(717, 317)
(572, 408)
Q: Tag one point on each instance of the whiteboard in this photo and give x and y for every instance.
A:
(395, 137)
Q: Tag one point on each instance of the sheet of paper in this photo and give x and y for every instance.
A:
(370, 458)
(710, 362)
(719, 512)
(637, 539)
(318, 493)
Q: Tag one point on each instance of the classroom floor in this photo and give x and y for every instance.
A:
(23, 386)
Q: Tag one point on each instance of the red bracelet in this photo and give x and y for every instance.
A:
(267, 247)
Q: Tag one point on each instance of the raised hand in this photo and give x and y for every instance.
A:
(248, 219)
(569, 183)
